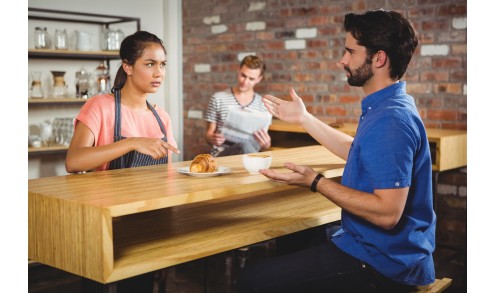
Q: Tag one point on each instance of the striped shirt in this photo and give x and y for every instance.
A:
(221, 102)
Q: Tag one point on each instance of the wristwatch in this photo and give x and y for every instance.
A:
(313, 187)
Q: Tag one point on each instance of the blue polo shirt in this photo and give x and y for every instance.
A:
(391, 150)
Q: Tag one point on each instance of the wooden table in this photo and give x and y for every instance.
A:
(448, 146)
(111, 225)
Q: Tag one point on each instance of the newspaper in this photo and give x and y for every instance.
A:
(241, 123)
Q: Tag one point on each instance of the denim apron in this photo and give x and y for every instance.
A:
(133, 158)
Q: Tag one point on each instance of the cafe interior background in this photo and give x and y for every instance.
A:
(300, 41)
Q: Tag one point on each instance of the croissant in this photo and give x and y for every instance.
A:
(203, 163)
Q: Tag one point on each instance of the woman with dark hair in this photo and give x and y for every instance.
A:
(123, 130)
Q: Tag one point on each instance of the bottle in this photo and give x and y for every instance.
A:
(102, 79)
(82, 84)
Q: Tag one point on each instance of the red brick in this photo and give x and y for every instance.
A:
(418, 88)
(335, 111)
(420, 62)
(434, 76)
(237, 47)
(316, 88)
(358, 5)
(449, 88)
(330, 9)
(296, 22)
(302, 77)
(459, 49)
(274, 45)
(459, 75)
(442, 114)
(307, 98)
(318, 21)
(457, 36)
(349, 99)
(446, 62)
(264, 35)
(422, 12)
(452, 10)
(316, 44)
(437, 24)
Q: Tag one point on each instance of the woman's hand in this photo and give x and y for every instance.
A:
(154, 147)
(301, 175)
(293, 111)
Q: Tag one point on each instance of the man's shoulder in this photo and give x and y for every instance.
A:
(222, 94)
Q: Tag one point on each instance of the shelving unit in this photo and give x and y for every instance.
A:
(55, 102)
(72, 54)
(48, 150)
(79, 17)
(103, 56)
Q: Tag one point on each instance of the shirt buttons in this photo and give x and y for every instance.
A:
(369, 108)
(396, 184)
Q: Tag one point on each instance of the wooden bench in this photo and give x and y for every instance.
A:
(438, 286)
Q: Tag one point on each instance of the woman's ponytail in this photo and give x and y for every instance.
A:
(120, 78)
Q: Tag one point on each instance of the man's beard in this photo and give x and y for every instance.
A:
(361, 75)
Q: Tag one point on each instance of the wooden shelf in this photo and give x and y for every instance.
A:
(212, 227)
(56, 102)
(52, 150)
(448, 146)
(72, 54)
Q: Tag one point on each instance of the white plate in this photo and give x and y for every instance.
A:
(220, 170)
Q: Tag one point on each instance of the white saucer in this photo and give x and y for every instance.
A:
(220, 170)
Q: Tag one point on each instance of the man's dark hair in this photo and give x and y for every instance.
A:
(384, 30)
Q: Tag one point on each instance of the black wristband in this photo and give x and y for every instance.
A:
(313, 187)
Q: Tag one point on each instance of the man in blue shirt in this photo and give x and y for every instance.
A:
(387, 235)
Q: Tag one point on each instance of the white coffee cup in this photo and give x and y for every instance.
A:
(254, 162)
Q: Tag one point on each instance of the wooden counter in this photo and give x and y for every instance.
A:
(448, 147)
(112, 225)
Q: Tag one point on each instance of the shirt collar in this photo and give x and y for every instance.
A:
(372, 100)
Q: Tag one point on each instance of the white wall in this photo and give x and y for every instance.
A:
(151, 13)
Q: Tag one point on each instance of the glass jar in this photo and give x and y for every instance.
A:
(111, 39)
(41, 38)
(61, 40)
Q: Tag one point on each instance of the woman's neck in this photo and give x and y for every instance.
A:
(133, 99)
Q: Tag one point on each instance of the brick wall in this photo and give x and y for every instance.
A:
(301, 41)
(452, 207)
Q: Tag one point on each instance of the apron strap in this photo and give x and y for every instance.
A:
(117, 121)
(162, 128)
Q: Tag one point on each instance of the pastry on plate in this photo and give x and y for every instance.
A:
(203, 163)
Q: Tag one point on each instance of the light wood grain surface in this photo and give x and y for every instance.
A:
(111, 225)
(448, 146)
